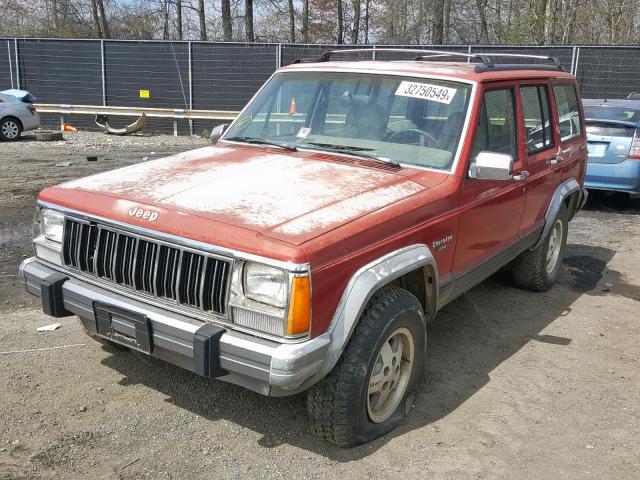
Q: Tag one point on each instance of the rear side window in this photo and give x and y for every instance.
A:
(606, 129)
(497, 129)
(568, 111)
(537, 119)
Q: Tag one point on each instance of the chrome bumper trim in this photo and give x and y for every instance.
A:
(262, 365)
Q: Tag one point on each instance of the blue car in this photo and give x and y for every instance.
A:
(613, 138)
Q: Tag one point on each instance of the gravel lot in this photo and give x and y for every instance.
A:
(519, 385)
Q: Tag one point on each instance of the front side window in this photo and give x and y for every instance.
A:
(537, 120)
(497, 126)
(568, 111)
(405, 120)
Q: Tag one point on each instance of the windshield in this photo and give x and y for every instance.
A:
(395, 119)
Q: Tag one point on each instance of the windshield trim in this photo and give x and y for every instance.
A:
(463, 133)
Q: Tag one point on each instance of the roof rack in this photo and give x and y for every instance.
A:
(485, 59)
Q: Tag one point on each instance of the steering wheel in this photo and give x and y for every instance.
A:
(413, 131)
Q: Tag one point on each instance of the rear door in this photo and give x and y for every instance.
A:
(542, 152)
(571, 130)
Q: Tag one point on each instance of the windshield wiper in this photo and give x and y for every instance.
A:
(260, 141)
(353, 150)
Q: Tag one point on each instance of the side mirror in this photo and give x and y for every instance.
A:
(492, 166)
(217, 132)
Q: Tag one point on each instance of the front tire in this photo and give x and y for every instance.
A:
(370, 390)
(10, 129)
(538, 269)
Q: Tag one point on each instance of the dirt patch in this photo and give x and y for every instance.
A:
(518, 385)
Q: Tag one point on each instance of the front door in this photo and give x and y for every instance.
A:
(491, 210)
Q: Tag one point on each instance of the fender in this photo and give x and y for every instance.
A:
(361, 287)
(563, 190)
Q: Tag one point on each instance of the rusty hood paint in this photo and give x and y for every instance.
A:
(288, 196)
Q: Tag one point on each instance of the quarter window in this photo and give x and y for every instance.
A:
(537, 120)
(568, 111)
(497, 129)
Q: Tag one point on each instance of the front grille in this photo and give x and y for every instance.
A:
(144, 265)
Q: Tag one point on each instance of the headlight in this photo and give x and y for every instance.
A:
(265, 284)
(51, 225)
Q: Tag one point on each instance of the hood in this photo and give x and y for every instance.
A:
(289, 196)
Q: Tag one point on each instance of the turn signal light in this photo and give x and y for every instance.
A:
(299, 320)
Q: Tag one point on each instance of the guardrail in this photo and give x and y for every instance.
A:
(173, 113)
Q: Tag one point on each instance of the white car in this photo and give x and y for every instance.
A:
(17, 114)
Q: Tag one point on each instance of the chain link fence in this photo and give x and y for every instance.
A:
(223, 76)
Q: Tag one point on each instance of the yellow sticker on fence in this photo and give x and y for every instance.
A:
(145, 94)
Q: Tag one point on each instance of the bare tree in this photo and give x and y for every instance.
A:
(366, 21)
(484, 25)
(305, 21)
(340, 24)
(248, 20)
(437, 31)
(179, 19)
(202, 20)
(96, 18)
(292, 22)
(103, 19)
(355, 30)
(227, 21)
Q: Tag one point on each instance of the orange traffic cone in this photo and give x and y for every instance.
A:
(69, 128)
(292, 108)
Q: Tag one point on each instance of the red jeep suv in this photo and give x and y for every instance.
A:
(309, 248)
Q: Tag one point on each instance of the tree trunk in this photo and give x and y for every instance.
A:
(484, 26)
(447, 22)
(103, 16)
(202, 19)
(340, 24)
(366, 22)
(437, 33)
(96, 18)
(165, 19)
(355, 30)
(292, 22)
(248, 20)
(179, 18)
(226, 21)
(305, 21)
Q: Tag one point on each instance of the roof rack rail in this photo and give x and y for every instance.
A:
(485, 59)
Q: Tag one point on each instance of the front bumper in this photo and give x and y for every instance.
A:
(267, 367)
(619, 177)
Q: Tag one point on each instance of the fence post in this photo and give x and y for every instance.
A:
(373, 54)
(190, 89)
(104, 78)
(15, 47)
(10, 61)
(279, 56)
(469, 53)
(575, 65)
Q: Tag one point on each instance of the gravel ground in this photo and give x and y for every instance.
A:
(518, 385)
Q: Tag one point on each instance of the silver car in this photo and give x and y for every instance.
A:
(17, 115)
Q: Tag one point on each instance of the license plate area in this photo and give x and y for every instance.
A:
(123, 326)
(597, 149)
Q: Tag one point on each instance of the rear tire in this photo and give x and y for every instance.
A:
(538, 269)
(370, 390)
(10, 129)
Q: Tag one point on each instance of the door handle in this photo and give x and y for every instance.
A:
(523, 175)
(555, 159)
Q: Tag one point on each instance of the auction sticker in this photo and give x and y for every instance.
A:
(425, 91)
